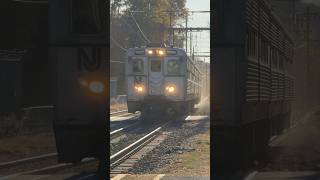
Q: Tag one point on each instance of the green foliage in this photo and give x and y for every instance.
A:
(153, 17)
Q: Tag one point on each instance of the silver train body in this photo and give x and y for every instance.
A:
(161, 79)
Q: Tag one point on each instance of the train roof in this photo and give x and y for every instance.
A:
(180, 51)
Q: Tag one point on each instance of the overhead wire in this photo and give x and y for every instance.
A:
(118, 44)
(136, 32)
(145, 37)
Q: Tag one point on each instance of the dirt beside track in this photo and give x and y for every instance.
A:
(195, 162)
(186, 151)
(22, 146)
(298, 149)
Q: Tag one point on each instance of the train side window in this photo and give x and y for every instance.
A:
(137, 66)
(155, 66)
(87, 17)
(252, 44)
(281, 62)
(173, 67)
(264, 51)
(275, 59)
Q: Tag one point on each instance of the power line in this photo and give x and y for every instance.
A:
(118, 44)
(132, 29)
(139, 27)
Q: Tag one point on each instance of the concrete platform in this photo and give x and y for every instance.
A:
(157, 177)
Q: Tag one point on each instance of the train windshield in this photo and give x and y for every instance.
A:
(173, 67)
(137, 66)
(155, 66)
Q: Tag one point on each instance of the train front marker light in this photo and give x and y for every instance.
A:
(161, 52)
(96, 87)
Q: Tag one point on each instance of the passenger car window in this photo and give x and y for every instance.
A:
(155, 66)
(173, 67)
(137, 66)
(87, 17)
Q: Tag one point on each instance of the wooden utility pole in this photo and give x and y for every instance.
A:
(186, 33)
(171, 30)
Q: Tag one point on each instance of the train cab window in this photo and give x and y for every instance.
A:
(137, 66)
(173, 67)
(155, 66)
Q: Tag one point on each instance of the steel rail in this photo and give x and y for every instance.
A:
(27, 160)
(120, 130)
(56, 167)
(118, 157)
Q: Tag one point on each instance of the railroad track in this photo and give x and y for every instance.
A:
(46, 163)
(120, 131)
(121, 112)
(123, 160)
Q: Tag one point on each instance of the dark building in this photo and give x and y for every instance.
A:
(24, 55)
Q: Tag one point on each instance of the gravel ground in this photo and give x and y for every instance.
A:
(128, 138)
(177, 142)
(124, 140)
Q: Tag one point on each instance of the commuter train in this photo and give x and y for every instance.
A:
(252, 80)
(161, 79)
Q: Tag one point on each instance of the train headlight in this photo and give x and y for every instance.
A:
(139, 88)
(96, 87)
(150, 52)
(170, 89)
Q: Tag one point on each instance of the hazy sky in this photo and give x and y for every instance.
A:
(200, 39)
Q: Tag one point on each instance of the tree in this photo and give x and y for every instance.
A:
(153, 20)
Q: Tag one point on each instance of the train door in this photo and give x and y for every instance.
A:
(156, 77)
(136, 78)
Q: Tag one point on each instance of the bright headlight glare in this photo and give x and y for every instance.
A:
(138, 88)
(150, 52)
(170, 89)
(161, 52)
(83, 82)
(96, 87)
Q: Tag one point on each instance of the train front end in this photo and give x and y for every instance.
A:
(156, 81)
